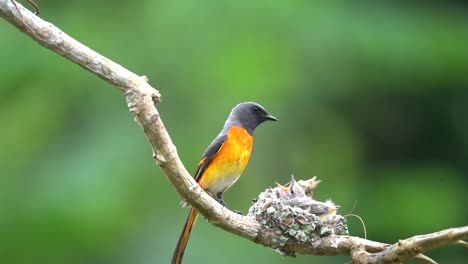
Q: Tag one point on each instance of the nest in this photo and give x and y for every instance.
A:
(294, 216)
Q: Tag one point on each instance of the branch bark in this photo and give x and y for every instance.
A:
(141, 99)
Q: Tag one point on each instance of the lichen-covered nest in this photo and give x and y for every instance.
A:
(295, 216)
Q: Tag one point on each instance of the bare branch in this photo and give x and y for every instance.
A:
(141, 98)
(36, 7)
(56, 40)
(407, 249)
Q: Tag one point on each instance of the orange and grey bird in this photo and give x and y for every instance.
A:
(224, 161)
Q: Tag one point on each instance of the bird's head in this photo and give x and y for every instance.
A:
(249, 115)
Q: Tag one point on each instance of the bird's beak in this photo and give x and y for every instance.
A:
(270, 117)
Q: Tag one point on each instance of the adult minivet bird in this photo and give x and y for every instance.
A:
(224, 161)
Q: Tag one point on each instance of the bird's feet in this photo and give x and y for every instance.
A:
(221, 201)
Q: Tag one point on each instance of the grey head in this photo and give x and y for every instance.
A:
(248, 115)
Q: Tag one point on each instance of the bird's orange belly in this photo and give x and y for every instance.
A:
(229, 163)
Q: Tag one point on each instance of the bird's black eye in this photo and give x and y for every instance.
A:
(255, 108)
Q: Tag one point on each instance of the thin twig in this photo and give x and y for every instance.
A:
(37, 12)
(424, 259)
(461, 243)
(362, 222)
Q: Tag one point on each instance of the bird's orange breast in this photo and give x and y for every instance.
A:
(229, 163)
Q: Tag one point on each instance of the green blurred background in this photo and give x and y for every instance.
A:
(372, 97)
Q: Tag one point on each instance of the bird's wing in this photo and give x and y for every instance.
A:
(209, 155)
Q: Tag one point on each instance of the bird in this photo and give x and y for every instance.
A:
(224, 161)
(295, 195)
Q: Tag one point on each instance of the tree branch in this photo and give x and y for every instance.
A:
(141, 98)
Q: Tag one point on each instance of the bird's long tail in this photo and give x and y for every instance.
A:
(184, 236)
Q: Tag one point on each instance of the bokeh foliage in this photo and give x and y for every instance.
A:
(372, 98)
